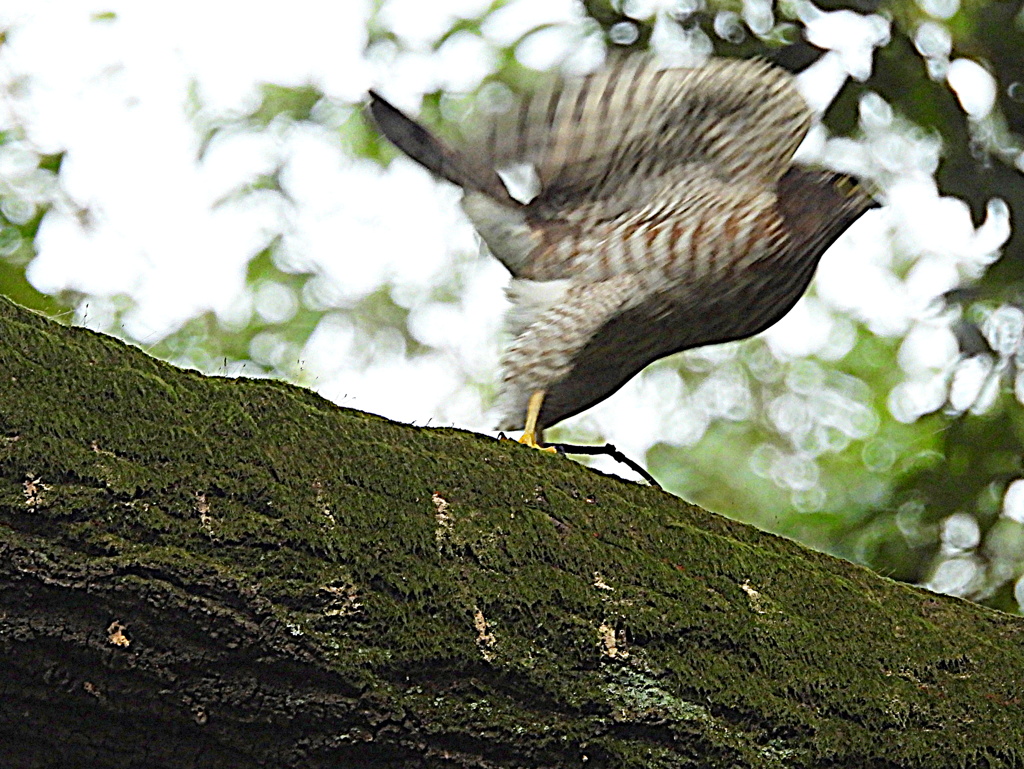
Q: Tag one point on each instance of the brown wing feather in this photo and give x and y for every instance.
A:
(742, 118)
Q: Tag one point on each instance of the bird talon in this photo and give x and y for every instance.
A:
(529, 438)
(532, 433)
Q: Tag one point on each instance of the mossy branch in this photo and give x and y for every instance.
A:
(203, 572)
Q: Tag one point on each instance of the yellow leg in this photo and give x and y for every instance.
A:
(533, 435)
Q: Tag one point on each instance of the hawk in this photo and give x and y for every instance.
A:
(670, 215)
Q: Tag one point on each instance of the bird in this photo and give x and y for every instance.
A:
(669, 214)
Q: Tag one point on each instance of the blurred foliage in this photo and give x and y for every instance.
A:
(28, 190)
(864, 485)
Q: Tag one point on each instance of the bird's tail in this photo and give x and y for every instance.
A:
(433, 154)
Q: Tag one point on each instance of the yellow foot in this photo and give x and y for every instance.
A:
(532, 433)
(530, 439)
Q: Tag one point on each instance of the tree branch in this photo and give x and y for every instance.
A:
(202, 572)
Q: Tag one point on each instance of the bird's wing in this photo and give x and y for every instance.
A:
(681, 227)
(585, 136)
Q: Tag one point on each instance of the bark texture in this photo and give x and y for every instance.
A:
(203, 572)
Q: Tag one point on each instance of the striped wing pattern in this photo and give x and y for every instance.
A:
(634, 121)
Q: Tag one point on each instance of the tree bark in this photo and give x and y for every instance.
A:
(207, 572)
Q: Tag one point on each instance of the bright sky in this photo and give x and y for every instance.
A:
(113, 94)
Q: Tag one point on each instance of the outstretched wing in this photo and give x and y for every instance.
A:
(588, 137)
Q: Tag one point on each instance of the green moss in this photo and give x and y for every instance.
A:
(475, 586)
